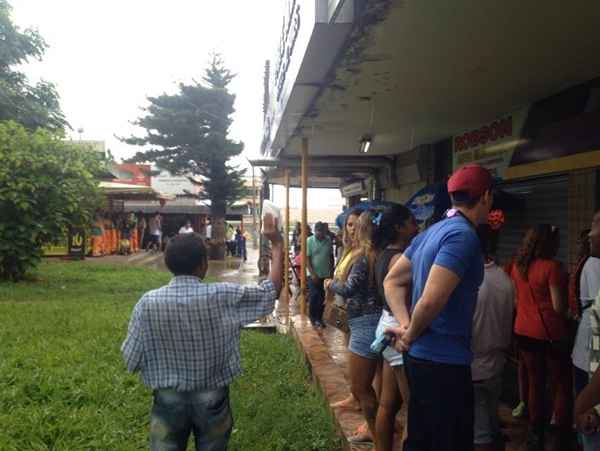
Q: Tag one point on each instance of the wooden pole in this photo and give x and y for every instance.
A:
(255, 232)
(286, 241)
(304, 169)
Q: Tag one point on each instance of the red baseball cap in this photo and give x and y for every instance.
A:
(471, 179)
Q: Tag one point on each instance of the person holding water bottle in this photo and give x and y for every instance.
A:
(184, 339)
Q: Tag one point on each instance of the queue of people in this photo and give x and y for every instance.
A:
(443, 310)
(451, 314)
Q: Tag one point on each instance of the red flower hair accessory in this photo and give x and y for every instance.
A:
(496, 219)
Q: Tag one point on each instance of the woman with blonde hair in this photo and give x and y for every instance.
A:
(355, 283)
(341, 273)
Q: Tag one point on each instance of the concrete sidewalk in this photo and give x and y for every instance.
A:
(326, 354)
(232, 269)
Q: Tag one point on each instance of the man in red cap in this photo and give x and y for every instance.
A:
(444, 268)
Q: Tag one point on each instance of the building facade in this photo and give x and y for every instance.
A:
(385, 98)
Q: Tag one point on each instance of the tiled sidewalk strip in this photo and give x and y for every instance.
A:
(329, 378)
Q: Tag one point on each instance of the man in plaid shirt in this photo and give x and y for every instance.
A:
(184, 339)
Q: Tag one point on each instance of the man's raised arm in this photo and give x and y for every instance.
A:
(271, 232)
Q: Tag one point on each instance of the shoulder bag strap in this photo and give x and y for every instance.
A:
(540, 313)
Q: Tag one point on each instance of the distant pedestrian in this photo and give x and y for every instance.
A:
(186, 228)
(142, 225)
(319, 253)
(155, 227)
(229, 239)
(184, 339)
(208, 229)
(244, 244)
(296, 234)
(238, 242)
(444, 267)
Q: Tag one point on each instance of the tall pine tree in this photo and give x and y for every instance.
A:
(187, 134)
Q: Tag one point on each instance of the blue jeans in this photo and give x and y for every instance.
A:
(316, 299)
(175, 415)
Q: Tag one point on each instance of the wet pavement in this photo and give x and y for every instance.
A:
(232, 269)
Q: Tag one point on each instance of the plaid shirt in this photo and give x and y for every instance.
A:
(186, 335)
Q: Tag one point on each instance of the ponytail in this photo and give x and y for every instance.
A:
(387, 223)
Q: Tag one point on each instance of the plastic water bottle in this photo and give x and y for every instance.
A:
(269, 208)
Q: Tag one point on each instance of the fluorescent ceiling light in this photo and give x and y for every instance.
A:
(365, 143)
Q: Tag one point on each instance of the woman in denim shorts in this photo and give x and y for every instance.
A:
(396, 229)
(357, 287)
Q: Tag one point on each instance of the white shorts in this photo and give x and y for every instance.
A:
(387, 320)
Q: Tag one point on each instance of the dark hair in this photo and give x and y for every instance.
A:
(185, 253)
(320, 226)
(488, 238)
(463, 199)
(583, 244)
(540, 241)
(391, 218)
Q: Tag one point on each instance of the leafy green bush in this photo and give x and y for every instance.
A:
(46, 185)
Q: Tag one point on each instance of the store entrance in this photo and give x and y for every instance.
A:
(531, 202)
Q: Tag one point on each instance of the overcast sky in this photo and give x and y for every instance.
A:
(106, 56)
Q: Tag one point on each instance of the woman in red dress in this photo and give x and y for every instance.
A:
(542, 332)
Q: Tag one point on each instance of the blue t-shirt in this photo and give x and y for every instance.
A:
(452, 243)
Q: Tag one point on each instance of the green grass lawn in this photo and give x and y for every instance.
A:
(63, 386)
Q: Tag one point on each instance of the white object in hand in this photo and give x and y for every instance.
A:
(269, 208)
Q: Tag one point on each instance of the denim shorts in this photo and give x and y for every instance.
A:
(362, 334)
(175, 415)
(387, 320)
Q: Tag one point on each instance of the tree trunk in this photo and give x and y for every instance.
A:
(217, 242)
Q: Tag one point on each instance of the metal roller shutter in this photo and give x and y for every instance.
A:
(537, 201)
